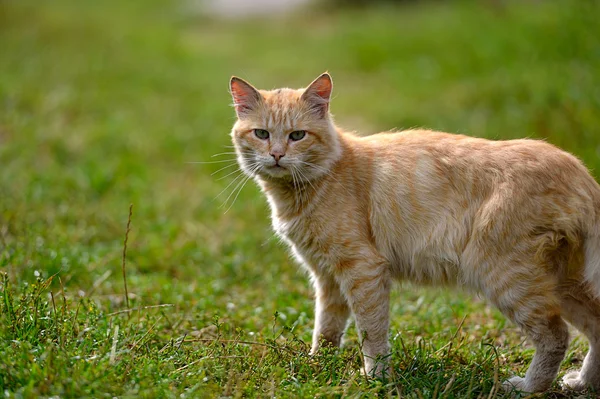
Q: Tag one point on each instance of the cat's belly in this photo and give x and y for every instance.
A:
(428, 267)
(425, 254)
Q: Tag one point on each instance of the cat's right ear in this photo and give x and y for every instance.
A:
(245, 97)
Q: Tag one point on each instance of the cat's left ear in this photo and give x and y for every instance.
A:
(318, 94)
(245, 97)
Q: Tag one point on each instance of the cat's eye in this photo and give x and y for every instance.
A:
(297, 135)
(261, 134)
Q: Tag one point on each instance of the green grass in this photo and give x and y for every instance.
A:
(103, 103)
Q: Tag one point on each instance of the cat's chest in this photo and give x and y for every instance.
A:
(292, 229)
(310, 240)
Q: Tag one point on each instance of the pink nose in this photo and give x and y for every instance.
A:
(277, 156)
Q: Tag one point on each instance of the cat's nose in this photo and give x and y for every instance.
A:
(277, 155)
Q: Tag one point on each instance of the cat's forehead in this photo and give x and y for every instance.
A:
(281, 98)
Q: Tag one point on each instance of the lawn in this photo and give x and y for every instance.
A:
(105, 105)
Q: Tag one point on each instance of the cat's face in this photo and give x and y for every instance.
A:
(284, 133)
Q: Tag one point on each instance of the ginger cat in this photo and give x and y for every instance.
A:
(517, 221)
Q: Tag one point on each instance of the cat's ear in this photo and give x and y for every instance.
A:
(318, 94)
(245, 97)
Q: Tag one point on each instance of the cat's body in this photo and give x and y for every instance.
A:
(420, 199)
(517, 221)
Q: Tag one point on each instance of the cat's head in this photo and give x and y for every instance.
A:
(284, 133)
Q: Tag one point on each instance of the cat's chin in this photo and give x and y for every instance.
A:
(275, 174)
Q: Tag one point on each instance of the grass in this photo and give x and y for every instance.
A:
(103, 103)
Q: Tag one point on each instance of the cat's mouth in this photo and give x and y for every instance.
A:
(276, 166)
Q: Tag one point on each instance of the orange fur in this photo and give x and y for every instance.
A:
(518, 221)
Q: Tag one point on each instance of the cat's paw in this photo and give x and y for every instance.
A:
(380, 371)
(515, 384)
(573, 381)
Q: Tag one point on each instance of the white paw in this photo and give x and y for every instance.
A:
(379, 370)
(515, 384)
(573, 381)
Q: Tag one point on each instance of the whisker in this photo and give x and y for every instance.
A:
(208, 162)
(224, 167)
(236, 152)
(239, 170)
(241, 185)
(326, 172)
(297, 194)
(228, 174)
(307, 180)
(230, 183)
(319, 168)
(233, 191)
(233, 160)
(238, 192)
(229, 153)
(253, 165)
(293, 181)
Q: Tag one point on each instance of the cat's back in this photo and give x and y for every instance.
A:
(436, 166)
(431, 155)
(413, 143)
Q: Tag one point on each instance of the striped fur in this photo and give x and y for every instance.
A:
(517, 221)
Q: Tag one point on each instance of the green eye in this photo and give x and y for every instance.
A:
(297, 135)
(261, 134)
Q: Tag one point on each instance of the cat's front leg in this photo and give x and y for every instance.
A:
(331, 312)
(366, 285)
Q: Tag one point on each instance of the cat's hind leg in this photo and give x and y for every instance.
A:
(331, 313)
(528, 297)
(582, 310)
(550, 338)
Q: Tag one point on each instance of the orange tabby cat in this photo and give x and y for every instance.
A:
(517, 221)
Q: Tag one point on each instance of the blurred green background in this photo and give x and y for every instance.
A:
(103, 104)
